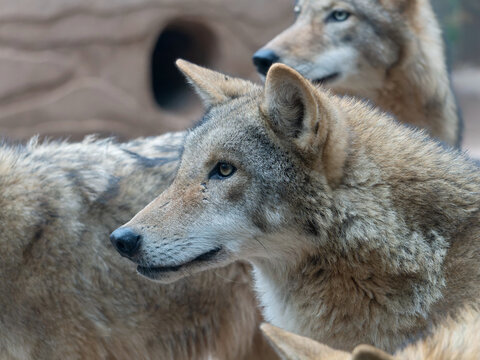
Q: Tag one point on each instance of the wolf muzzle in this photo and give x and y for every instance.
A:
(263, 59)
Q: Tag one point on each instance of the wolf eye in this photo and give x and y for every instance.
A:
(222, 170)
(339, 15)
(297, 9)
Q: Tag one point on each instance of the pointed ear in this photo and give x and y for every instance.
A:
(367, 352)
(294, 347)
(295, 108)
(290, 103)
(213, 87)
(308, 117)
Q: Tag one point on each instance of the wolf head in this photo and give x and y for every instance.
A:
(253, 161)
(350, 45)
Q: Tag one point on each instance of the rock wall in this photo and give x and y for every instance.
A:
(74, 67)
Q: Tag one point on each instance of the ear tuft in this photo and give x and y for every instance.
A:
(213, 87)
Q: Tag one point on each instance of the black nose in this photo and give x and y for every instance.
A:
(263, 59)
(126, 241)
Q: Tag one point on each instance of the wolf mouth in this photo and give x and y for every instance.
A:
(327, 78)
(152, 272)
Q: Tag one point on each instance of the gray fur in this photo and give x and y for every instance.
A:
(359, 229)
(65, 291)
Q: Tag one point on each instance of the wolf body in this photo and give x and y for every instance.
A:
(359, 229)
(456, 338)
(65, 291)
(388, 51)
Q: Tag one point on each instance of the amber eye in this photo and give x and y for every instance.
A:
(225, 169)
(339, 15)
(222, 170)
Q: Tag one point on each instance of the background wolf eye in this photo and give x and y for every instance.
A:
(297, 9)
(339, 15)
(222, 170)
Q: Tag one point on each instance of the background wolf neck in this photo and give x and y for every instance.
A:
(418, 90)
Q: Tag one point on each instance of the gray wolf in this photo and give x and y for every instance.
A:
(388, 51)
(65, 292)
(457, 338)
(360, 230)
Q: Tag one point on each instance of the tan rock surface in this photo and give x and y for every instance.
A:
(74, 67)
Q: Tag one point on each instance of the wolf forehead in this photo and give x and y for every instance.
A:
(241, 107)
(235, 121)
(236, 131)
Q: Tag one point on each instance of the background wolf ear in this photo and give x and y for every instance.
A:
(367, 352)
(213, 87)
(291, 105)
(294, 347)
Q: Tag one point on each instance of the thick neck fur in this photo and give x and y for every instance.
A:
(418, 89)
(377, 271)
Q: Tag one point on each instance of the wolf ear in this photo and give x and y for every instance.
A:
(294, 347)
(300, 113)
(367, 352)
(292, 106)
(213, 87)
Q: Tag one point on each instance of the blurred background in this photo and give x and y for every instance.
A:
(74, 67)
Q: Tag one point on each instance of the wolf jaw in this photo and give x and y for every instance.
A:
(359, 229)
(168, 274)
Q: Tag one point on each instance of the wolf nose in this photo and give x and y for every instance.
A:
(126, 241)
(263, 59)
